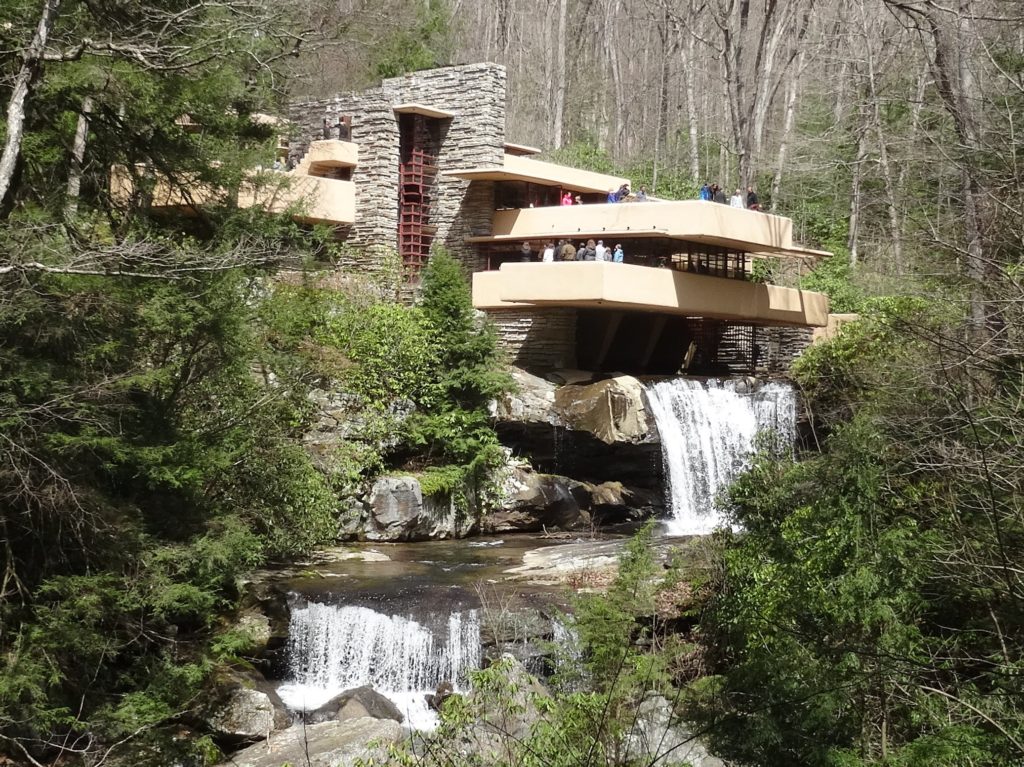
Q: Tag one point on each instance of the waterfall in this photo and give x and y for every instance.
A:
(707, 437)
(335, 648)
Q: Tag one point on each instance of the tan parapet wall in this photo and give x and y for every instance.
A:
(603, 285)
(312, 198)
(833, 326)
(693, 220)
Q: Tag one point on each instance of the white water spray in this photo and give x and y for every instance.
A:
(335, 648)
(707, 433)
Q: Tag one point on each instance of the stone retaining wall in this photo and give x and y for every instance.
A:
(537, 339)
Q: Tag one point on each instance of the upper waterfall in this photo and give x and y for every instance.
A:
(707, 437)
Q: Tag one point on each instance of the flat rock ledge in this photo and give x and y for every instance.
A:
(330, 744)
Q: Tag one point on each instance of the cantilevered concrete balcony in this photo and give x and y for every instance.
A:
(625, 287)
(312, 199)
(327, 154)
(693, 221)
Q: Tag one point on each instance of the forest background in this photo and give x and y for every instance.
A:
(871, 614)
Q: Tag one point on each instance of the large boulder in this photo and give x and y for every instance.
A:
(330, 744)
(243, 707)
(613, 410)
(531, 502)
(613, 502)
(397, 511)
(531, 401)
(355, 704)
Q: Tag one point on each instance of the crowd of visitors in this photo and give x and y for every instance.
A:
(714, 193)
(564, 250)
(622, 194)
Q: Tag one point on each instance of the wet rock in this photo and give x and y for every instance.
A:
(397, 511)
(590, 562)
(330, 744)
(532, 502)
(355, 704)
(613, 410)
(243, 708)
(436, 699)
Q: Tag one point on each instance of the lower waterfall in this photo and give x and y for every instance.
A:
(335, 648)
(707, 433)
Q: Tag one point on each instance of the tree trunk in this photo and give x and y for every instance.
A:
(77, 160)
(855, 188)
(558, 124)
(787, 128)
(689, 57)
(31, 66)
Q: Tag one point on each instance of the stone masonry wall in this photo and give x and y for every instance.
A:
(475, 94)
(779, 347)
(537, 339)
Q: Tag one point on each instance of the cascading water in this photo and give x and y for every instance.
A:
(707, 433)
(335, 648)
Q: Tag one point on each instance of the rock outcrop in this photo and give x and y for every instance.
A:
(593, 431)
(330, 744)
(532, 502)
(613, 410)
(395, 509)
(243, 708)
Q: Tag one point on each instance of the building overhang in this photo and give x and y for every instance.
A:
(423, 109)
(521, 149)
(694, 221)
(517, 168)
(608, 286)
(312, 199)
(331, 153)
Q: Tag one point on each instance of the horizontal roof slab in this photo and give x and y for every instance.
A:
(625, 287)
(518, 168)
(423, 109)
(521, 149)
(688, 220)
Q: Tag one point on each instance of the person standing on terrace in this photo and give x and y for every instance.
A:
(600, 251)
(567, 198)
(617, 254)
(568, 252)
(736, 201)
(549, 252)
(752, 202)
(719, 194)
(641, 195)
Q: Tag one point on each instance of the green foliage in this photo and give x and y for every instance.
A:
(849, 626)
(833, 276)
(428, 42)
(453, 424)
(150, 469)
